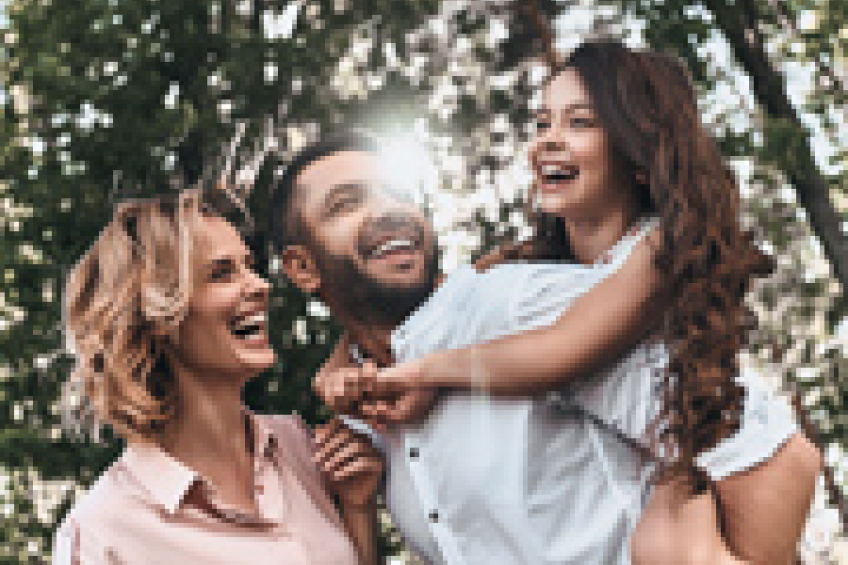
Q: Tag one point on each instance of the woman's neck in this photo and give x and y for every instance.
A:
(210, 422)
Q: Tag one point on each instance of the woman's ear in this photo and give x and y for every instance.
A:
(299, 266)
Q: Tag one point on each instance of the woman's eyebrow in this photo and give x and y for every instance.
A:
(226, 260)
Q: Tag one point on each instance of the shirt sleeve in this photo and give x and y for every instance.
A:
(544, 291)
(362, 427)
(767, 423)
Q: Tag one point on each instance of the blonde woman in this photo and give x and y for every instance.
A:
(167, 319)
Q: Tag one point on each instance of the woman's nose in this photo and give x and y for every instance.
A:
(259, 285)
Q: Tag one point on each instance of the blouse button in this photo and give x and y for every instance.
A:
(259, 489)
(434, 516)
(413, 453)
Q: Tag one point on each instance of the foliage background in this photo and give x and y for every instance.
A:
(147, 87)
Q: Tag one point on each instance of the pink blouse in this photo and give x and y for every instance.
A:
(149, 508)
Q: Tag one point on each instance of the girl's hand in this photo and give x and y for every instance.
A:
(403, 408)
(398, 379)
(342, 389)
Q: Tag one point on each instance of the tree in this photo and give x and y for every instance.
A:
(102, 90)
(147, 88)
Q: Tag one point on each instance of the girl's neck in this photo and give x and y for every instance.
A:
(591, 236)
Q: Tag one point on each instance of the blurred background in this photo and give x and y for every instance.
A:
(99, 93)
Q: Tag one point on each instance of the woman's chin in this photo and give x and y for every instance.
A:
(256, 360)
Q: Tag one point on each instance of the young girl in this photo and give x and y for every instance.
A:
(627, 182)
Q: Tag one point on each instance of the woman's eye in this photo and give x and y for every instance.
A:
(221, 272)
(542, 125)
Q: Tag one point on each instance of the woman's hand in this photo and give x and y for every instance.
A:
(352, 466)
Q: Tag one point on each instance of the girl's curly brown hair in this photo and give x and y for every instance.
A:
(648, 105)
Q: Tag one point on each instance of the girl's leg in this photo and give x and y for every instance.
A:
(677, 529)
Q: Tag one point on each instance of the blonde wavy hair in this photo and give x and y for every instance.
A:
(122, 306)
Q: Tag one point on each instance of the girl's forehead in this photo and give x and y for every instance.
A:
(566, 90)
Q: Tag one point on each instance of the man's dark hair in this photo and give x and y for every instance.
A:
(286, 224)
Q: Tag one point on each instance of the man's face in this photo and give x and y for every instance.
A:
(374, 249)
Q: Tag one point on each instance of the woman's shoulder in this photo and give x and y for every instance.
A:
(291, 432)
(295, 452)
(291, 426)
(97, 510)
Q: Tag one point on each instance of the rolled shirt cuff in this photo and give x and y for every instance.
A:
(767, 424)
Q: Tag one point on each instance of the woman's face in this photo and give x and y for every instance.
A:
(225, 329)
(575, 175)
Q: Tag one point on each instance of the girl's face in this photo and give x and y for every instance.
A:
(225, 330)
(575, 172)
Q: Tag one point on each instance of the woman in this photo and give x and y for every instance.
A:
(619, 149)
(166, 316)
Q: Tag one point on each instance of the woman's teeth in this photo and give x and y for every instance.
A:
(249, 326)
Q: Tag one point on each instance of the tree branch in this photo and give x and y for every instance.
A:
(811, 186)
(543, 26)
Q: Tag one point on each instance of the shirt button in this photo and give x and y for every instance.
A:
(259, 489)
(434, 516)
(413, 453)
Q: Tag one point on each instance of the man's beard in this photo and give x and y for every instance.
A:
(370, 301)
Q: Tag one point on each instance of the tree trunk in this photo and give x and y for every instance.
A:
(800, 168)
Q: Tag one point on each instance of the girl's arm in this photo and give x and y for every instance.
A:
(594, 331)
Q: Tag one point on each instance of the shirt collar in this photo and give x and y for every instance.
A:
(163, 477)
(168, 480)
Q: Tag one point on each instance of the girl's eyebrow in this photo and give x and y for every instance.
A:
(578, 106)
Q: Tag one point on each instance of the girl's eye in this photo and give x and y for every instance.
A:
(582, 122)
(542, 125)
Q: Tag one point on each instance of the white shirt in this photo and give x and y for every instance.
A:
(507, 481)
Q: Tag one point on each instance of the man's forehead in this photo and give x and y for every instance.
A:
(344, 167)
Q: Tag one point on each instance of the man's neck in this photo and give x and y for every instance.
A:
(374, 340)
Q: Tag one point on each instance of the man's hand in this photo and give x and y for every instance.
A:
(352, 466)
